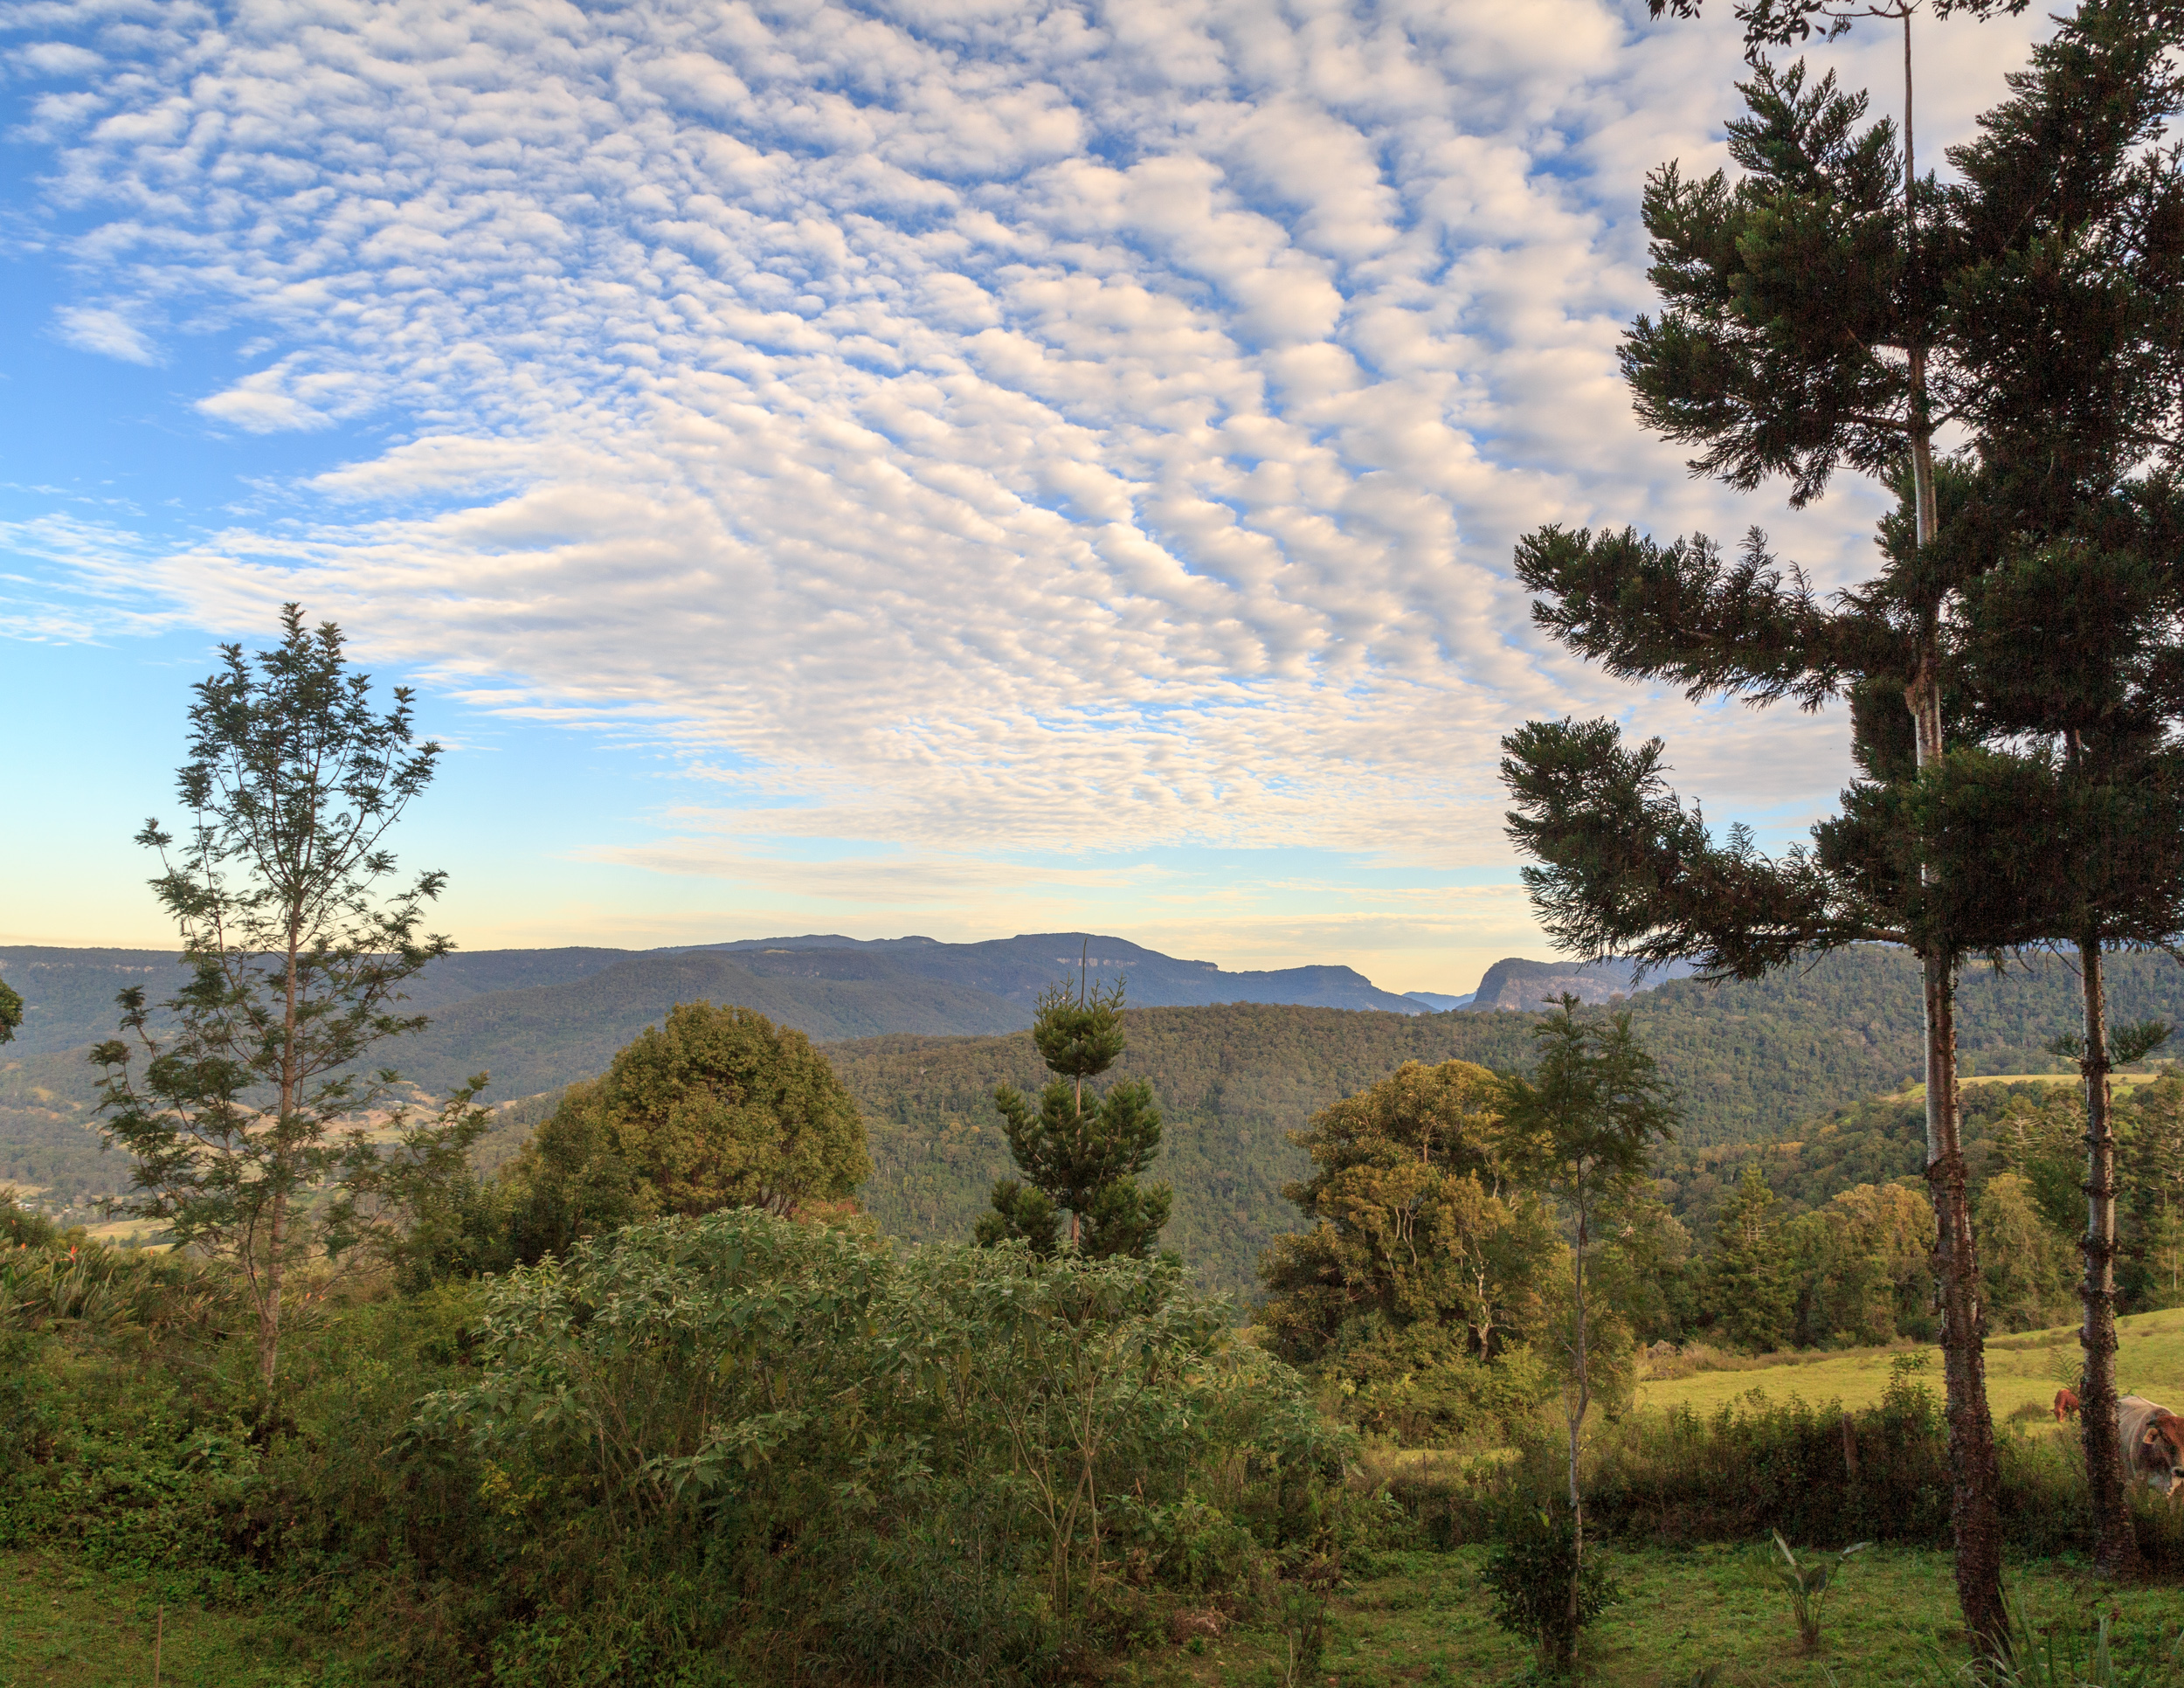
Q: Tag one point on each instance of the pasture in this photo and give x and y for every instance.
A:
(2023, 1371)
(1423, 1618)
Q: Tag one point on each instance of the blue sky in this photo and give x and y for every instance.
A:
(957, 468)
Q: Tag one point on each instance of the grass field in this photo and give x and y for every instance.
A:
(1423, 1619)
(2019, 1369)
(1413, 1619)
(62, 1626)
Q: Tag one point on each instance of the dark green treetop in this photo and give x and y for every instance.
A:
(1082, 1158)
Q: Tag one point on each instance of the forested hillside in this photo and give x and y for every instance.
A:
(1768, 1063)
(1753, 1063)
(1875, 1140)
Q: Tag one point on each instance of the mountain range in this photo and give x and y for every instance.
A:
(827, 985)
(1753, 1063)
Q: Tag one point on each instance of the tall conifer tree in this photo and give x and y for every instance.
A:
(1804, 330)
(1079, 1154)
(2073, 325)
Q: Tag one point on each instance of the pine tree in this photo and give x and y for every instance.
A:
(1808, 327)
(1748, 1288)
(1083, 1160)
(2071, 658)
(2065, 351)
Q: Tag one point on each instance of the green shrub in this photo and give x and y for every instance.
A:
(1814, 1472)
(825, 1424)
(1530, 1571)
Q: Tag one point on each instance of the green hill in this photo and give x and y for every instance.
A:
(1807, 1062)
(1777, 1063)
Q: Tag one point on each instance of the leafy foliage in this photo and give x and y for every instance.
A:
(717, 1107)
(242, 1118)
(1807, 1584)
(1424, 1272)
(807, 1403)
(1533, 1567)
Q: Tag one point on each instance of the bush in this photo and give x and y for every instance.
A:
(1530, 1570)
(833, 1437)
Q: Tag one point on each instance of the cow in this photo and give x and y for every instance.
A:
(2065, 1404)
(2153, 1440)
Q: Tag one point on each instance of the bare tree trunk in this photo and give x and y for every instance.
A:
(1576, 1425)
(2115, 1542)
(269, 1294)
(1975, 1499)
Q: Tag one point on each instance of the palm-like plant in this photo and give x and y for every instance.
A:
(1807, 1584)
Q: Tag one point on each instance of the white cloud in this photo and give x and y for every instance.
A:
(989, 426)
(55, 59)
(108, 332)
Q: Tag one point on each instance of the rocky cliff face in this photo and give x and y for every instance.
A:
(1520, 986)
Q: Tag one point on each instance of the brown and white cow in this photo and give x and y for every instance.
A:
(2153, 1442)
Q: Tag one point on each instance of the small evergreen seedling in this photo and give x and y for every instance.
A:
(1807, 1584)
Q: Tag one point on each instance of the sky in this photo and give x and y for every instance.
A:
(959, 469)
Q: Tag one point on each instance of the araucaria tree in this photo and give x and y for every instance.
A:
(2048, 291)
(234, 1102)
(2069, 626)
(1077, 1158)
(1582, 1128)
(1817, 320)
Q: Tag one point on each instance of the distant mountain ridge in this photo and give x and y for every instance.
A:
(850, 987)
(1017, 968)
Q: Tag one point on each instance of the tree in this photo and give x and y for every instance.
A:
(718, 1107)
(715, 1107)
(1582, 1128)
(2155, 1179)
(1422, 1253)
(2026, 1262)
(11, 1012)
(2069, 628)
(237, 1120)
(1816, 320)
(1083, 1160)
(1748, 1289)
(1864, 1267)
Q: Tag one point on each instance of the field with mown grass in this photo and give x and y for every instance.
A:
(2022, 1371)
(1423, 1618)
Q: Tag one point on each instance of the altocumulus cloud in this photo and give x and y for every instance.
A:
(953, 423)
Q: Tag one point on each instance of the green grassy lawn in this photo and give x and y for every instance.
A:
(1415, 1618)
(62, 1626)
(2019, 1369)
(1424, 1619)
